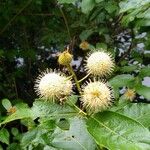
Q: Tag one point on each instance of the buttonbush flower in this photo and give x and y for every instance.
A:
(130, 94)
(65, 58)
(97, 96)
(100, 64)
(52, 85)
(84, 45)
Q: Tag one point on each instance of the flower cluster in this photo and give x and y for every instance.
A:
(95, 95)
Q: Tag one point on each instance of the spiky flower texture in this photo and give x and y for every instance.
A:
(96, 96)
(100, 64)
(130, 94)
(52, 85)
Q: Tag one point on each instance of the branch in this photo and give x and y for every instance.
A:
(66, 22)
(7, 25)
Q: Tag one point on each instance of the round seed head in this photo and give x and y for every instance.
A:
(96, 96)
(52, 85)
(65, 58)
(100, 64)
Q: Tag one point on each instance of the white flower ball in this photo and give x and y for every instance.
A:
(96, 96)
(52, 85)
(100, 64)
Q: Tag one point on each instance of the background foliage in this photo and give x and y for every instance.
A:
(32, 33)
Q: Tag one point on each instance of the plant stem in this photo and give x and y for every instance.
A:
(66, 22)
(15, 88)
(70, 69)
(80, 110)
(70, 77)
(84, 78)
(13, 18)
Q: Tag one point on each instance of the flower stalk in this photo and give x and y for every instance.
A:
(80, 111)
(84, 78)
(70, 69)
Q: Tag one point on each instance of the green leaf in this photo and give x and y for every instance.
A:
(14, 146)
(122, 102)
(118, 132)
(63, 124)
(52, 110)
(101, 45)
(116, 92)
(145, 14)
(132, 4)
(4, 136)
(87, 5)
(28, 122)
(98, 1)
(39, 136)
(22, 111)
(143, 90)
(103, 30)
(139, 111)
(47, 147)
(46, 123)
(111, 7)
(121, 80)
(128, 68)
(67, 1)
(6, 104)
(14, 131)
(34, 137)
(72, 100)
(144, 72)
(85, 34)
(1, 147)
(76, 138)
(142, 23)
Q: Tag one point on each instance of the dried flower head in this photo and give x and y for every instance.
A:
(96, 96)
(53, 85)
(100, 63)
(11, 110)
(84, 45)
(130, 94)
(65, 58)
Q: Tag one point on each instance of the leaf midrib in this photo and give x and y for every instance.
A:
(112, 131)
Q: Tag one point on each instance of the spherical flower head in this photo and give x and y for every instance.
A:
(100, 64)
(84, 45)
(65, 58)
(130, 94)
(51, 85)
(96, 96)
